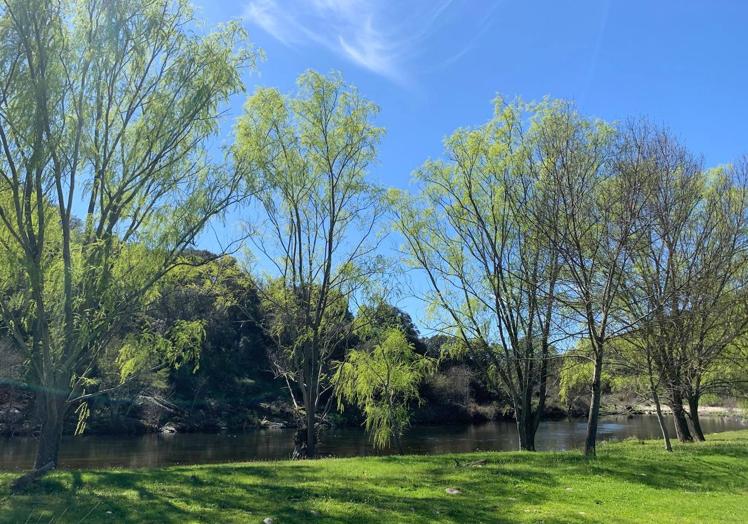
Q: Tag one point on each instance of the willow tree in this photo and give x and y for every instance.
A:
(716, 317)
(599, 199)
(664, 260)
(492, 273)
(684, 295)
(105, 107)
(383, 380)
(311, 152)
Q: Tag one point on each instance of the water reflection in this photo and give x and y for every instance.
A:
(196, 448)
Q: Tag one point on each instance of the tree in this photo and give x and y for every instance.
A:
(105, 109)
(634, 363)
(599, 196)
(312, 152)
(658, 276)
(718, 316)
(684, 294)
(231, 373)
(383, 381)
(491, 271)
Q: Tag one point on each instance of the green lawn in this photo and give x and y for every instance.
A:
(628, 482)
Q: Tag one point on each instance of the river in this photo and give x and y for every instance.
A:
(197, 448)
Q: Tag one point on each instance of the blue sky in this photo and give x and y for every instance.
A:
(433, 66)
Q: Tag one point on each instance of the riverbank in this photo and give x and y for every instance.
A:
(630, 481)
(704, 411)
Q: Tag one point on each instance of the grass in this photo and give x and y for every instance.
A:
(630, 481)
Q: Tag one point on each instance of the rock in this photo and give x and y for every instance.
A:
(453, 491)
(473, 464)
(168, 429)
(267, 520)
(271, 424)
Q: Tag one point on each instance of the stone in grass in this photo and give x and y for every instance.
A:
(267, 520)
(453, 491)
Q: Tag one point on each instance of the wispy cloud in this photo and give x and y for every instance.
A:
(376, 35)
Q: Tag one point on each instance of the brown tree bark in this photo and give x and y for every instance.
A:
(48, 448)
(311, 434)
(693, 413)
(525, 429)
(679, 416)
(661, 420)
(656, 399)
(594, 413)
(529, 434)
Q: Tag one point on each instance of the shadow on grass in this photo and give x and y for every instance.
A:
(711, 466)
(386, 489)
(289, 493)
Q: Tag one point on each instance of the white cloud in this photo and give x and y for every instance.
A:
(373, 34)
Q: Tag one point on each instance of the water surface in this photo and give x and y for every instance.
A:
(201, 448)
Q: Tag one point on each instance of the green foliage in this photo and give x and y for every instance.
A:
(317, 223)
(108, 107)
(140, 166)
(233, 369)
(107, 110)
(477, 233)
(383, 382)
(371, 320)
(220, 382)
(575, 376)
(143, 351)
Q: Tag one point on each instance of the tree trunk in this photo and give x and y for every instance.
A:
(661, 420)
(398, 442)
(542, 390)
(693, 412)
(679, 416)
(311, 434)
(525, 420)
(658, 406)
(522, 435)
(594, 414)
(48, 447)
(397, 430)
(529, 434)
